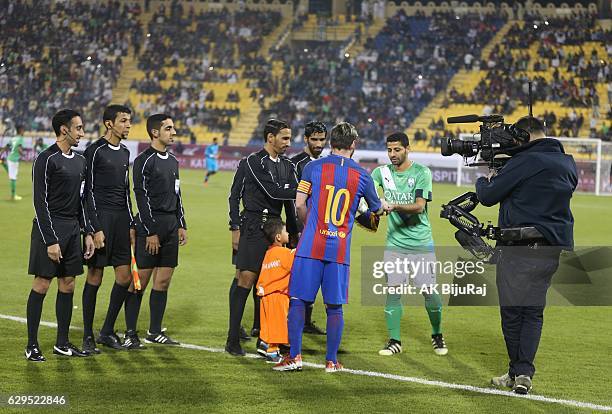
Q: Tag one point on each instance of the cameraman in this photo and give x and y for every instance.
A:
(534, 189)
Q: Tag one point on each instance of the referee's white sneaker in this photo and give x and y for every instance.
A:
(439, 346)
(393, 347)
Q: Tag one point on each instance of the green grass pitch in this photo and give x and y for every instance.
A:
(573, 361)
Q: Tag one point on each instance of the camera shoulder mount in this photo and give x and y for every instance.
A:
(471, 231)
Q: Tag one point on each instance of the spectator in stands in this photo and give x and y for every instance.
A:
(387, 85)
(39, 77)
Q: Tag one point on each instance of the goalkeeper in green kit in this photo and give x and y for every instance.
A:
(406, 187)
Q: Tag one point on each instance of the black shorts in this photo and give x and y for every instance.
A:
(69, 234)
(252, 246)
(167, 256)
(117, 250)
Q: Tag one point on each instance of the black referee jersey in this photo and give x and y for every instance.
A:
(269, 185)
(59, 181)
(107, 182)
(300, 162)
(157, 189)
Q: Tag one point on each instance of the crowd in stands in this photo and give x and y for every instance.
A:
(385, 87)
(571, 77)
(69, 54)
(57, 55)
(210, 46)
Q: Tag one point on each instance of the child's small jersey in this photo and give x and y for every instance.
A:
(275, 271)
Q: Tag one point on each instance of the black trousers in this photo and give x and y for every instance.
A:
(523, 278)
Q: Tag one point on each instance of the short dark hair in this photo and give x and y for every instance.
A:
(155, 121)
(314, 127)
(342, 136)
(273, 126)
(530, 124)
(19, 127)
(63, 118)
(111, 111)
(399, 137)
(271, 228)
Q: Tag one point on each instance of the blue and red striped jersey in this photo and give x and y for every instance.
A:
(335, 185)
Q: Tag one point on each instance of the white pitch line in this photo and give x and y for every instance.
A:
(416, 380)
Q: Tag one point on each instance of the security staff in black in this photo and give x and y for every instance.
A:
(534, 189)
(58, 175)
(315, 137)
(109, 207)
(235, 214)
(269, 184)
(160, 227)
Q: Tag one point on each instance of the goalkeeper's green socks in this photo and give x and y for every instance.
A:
(393, 316)
(13, 188)
(433, 304)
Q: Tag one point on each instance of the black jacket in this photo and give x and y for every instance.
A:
(270, 185)
(157, 188)
(534, 189)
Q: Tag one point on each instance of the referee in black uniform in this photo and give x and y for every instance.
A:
(235, 214)
(58, 175)
(270, 183)
(160, 225)
(315, 137)
(109, 213)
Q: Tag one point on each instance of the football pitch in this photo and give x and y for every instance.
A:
(573, 362)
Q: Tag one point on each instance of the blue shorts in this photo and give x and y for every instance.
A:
(307, 275)
(211, 165)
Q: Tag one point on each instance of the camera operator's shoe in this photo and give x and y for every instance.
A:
(393, 347)
(439, 346)
(505, 381)
(522, 384)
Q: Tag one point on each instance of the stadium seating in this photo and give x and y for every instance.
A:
(227, 69)
(56, 55)
(565, 57)
(190, 64)
(383, 88)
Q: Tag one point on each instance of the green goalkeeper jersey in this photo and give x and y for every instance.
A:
(406, 230)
